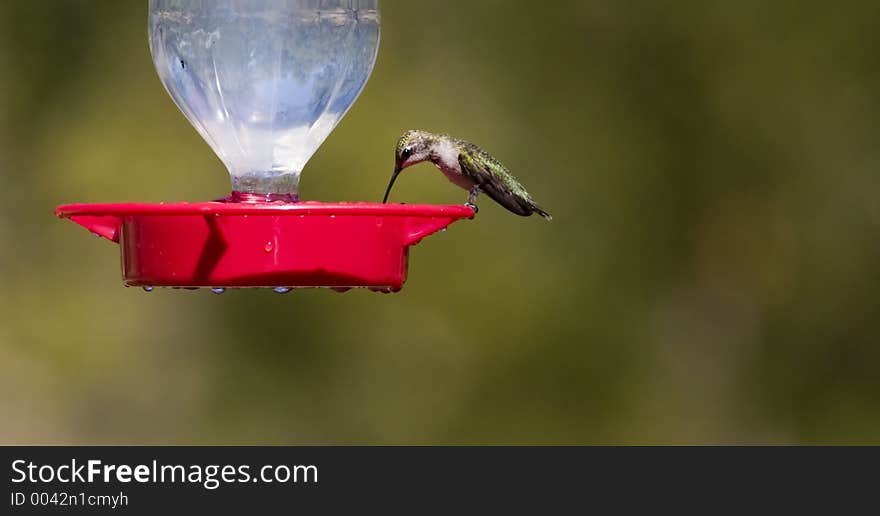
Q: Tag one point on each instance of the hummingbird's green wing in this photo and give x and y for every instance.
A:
(496, 181)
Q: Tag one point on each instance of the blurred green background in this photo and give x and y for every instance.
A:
(711, 274)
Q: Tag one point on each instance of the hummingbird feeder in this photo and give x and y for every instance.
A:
(264, 82)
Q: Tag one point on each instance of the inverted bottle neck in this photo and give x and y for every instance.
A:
(251, 197)
(265, 186)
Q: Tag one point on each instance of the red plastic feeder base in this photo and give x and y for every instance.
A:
(269, 244)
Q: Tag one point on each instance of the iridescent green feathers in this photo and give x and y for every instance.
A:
(496, 181)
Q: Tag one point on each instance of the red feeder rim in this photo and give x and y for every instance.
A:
(264, 244)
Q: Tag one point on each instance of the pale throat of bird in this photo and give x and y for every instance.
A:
(447, 156)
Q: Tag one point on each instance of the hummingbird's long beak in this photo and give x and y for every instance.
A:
(391, 183)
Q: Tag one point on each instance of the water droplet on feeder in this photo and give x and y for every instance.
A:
(269, 246)
(443, 230)
(341, 289)
(281, 290)
(218, 290)
(148, 288)
(95, 235)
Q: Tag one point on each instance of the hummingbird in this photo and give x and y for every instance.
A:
(467, 166)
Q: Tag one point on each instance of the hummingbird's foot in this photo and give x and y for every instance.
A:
(472, 196)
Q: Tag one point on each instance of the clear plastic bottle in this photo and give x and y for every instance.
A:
(264, 81)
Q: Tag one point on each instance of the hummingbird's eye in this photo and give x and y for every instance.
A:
(406, 153)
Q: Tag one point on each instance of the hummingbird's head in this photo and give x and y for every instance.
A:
(412, 148)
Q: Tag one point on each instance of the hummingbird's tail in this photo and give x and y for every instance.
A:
(540, 211)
